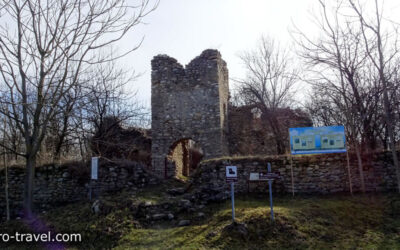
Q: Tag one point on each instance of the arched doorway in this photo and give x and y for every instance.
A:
(183, 158)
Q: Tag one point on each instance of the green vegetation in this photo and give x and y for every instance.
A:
(339, 222)
(240, 157)
(303, 222)
(255, 157)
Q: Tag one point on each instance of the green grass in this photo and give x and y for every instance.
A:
(255, 157)
(157, 194)
(242, 157)
(302, 222)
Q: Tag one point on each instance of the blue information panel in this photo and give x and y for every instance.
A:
(317, 140)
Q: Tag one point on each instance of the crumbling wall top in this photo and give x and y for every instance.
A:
(206, 55)
(166, 69)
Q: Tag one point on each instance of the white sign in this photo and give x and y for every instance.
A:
(254, 176)
(231, 177)
(95, 167)
(231, 173)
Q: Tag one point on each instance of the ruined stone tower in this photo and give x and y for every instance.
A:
(189, 103)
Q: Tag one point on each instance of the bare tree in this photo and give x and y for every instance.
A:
(269, 83)
(45, 47)
(106, 95)
(106, 100)
(346, 88)
(353, 68)
(382, 49)
(101, 94)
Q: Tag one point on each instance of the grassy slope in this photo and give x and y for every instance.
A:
(365, 222)
(303, 222)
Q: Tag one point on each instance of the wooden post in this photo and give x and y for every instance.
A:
(6, 190)
(271, 204)
(6, 177)
(291, 170)
(90, 189)
(165, 168)
(349, 172)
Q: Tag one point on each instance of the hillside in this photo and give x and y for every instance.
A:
(304, 222)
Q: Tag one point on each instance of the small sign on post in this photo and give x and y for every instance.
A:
(231, 174)
(94, 174)
(95, 167)
(231, 177)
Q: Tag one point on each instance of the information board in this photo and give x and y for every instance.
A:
(317, 140)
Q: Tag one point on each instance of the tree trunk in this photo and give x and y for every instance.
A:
(29, 185)
(349, 172)
(396, 165)
(61, 138)
(6, 175)
(274, 124)
(394, 154)
(360, 168)
(390, 129)
(6, 188)
(81, 149)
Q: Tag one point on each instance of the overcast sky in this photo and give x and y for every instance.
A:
(184, 28)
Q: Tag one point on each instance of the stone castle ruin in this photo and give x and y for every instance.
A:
(189, 112)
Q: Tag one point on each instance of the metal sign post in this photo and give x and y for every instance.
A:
(270, 177)
(270, 193)
(231, 177)
(233, 200)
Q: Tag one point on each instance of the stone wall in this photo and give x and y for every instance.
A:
(57, 185)
(189, 103)
(312, 174)
(250, 132)
(112, 140)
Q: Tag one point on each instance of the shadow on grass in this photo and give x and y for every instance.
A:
(333, 221)
(301, 222)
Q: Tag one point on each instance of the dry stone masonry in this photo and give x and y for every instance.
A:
(57, 185)
(312, 174)
(189, 103)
